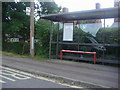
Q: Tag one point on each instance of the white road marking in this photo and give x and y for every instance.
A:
(17, 71)
(7, 78)
(14, 75)
(1, 81)
(42, 78)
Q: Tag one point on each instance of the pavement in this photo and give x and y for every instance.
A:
(78, 73)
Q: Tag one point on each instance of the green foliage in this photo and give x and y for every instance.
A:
(15, 22)
(49, 8)
(109, 35)
(23, 56)
(15, 18)
(14, 54)
(42, 28)
(80, 36)
(17, 47)
(42, 32)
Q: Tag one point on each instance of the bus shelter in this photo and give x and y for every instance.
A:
(83, 20)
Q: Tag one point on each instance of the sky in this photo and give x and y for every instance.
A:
(79, 5)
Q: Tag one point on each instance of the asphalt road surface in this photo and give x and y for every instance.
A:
(11, 78)
(100, 75)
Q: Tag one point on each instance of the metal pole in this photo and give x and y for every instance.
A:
(50, 46)
(1, 29)
(78, 35)
(61, 54)
(32, 53)
(57, 41)
(94, 58)
(104, 39)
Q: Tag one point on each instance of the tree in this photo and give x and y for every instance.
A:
(42, 29)
(49, 8)
(14, 17)
(14, 20)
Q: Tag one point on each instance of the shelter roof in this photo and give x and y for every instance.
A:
(83, 15)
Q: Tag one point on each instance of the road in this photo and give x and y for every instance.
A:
(102, 75)
(11, 78)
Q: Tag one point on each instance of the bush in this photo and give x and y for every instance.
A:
(16, 47)
(40, 50)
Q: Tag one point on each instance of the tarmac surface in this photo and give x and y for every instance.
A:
(11, 78)
(76, 72)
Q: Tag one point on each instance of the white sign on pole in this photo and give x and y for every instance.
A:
(27, 10)
(32, 42)
(68, 32)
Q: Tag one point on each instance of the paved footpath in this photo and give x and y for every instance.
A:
(82, 73)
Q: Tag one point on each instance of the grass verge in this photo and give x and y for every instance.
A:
(41, 57)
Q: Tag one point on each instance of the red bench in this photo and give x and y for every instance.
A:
(69, 51)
